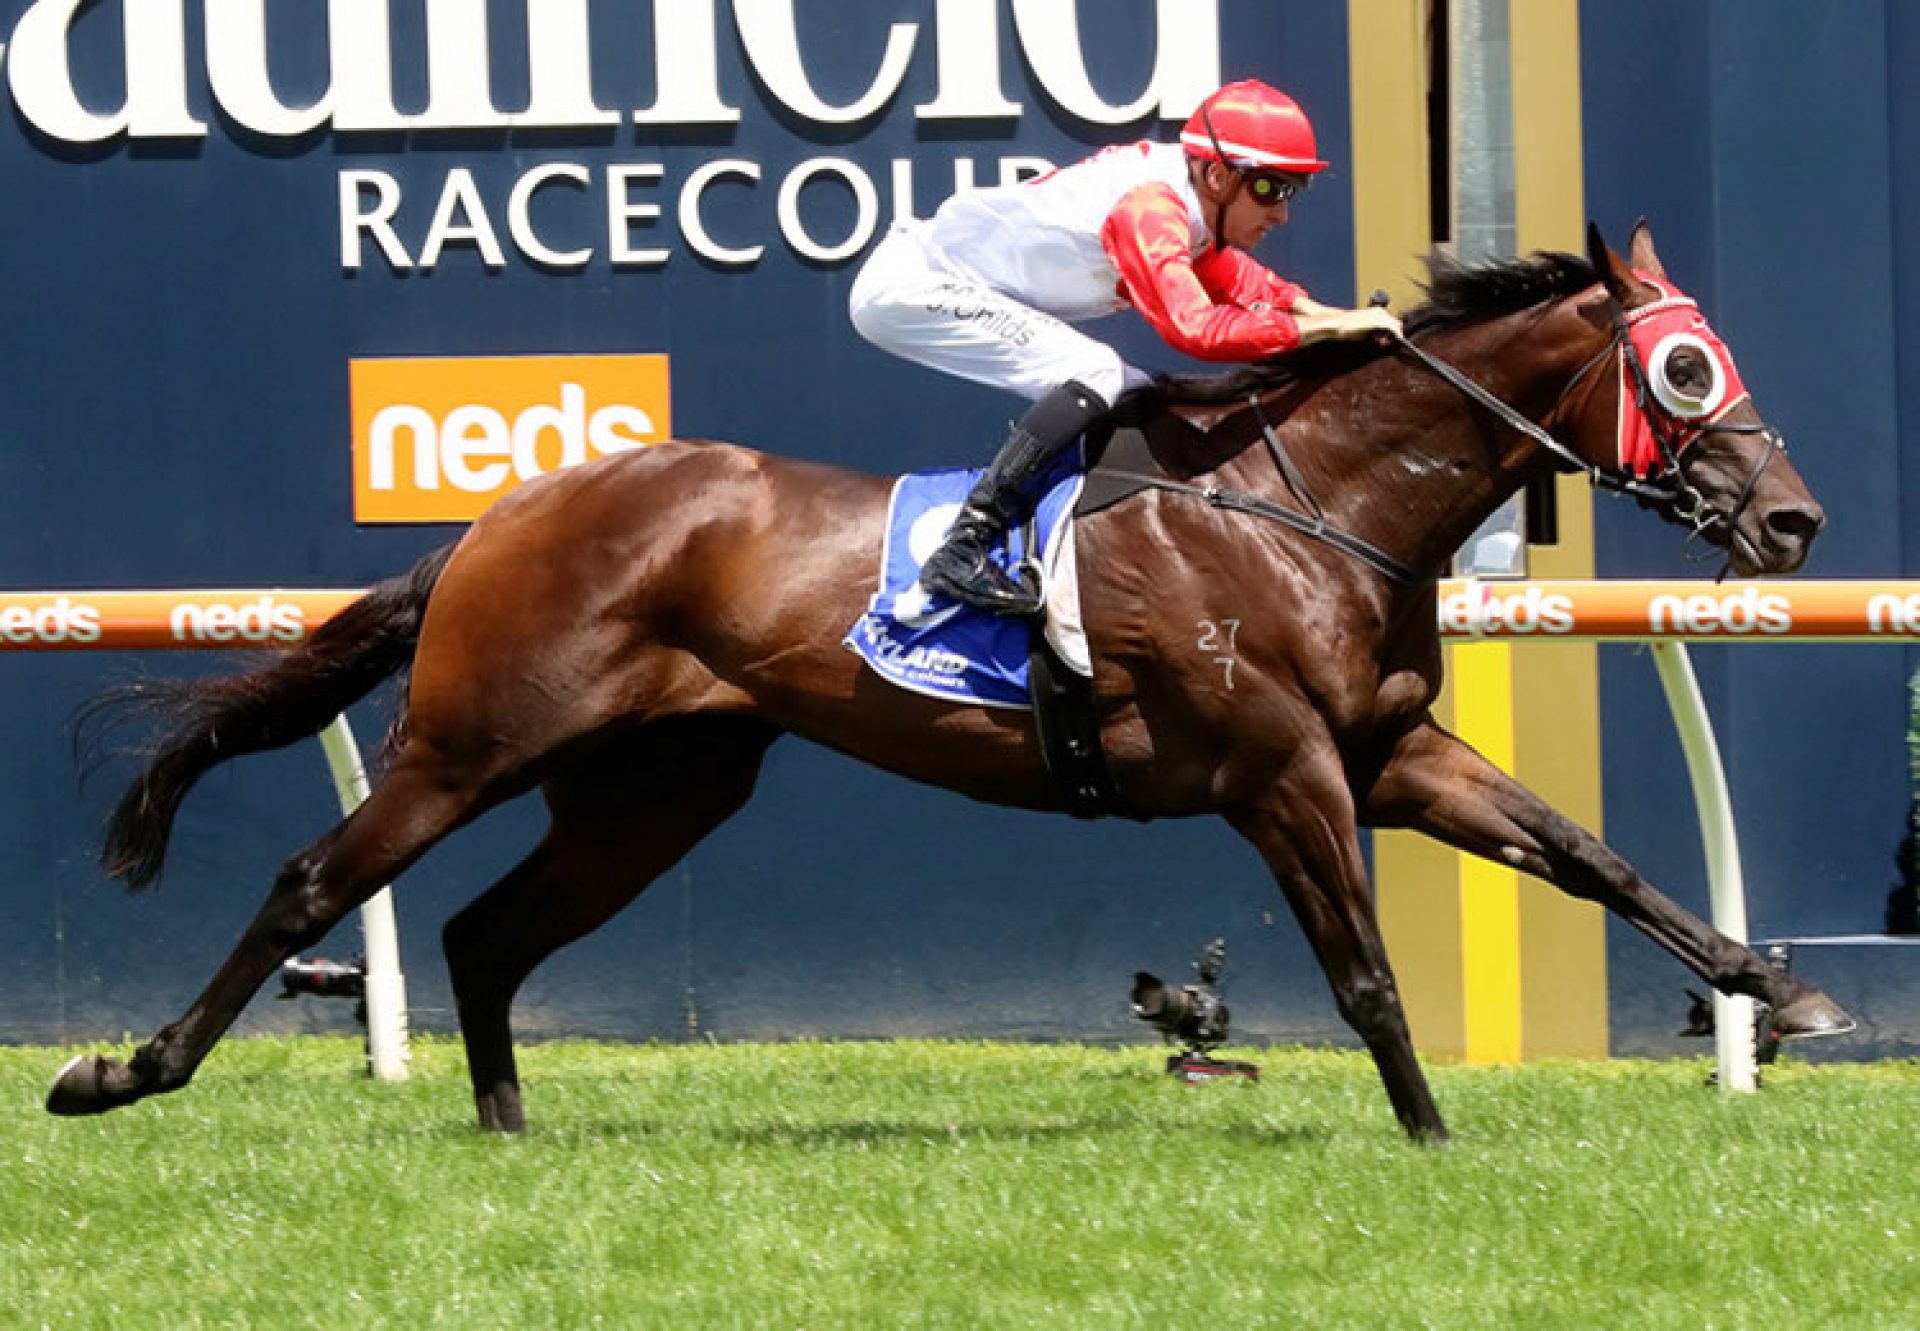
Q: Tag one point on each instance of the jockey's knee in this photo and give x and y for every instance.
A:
(1105, 374)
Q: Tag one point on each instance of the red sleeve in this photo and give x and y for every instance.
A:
(1196, 308)
(1234, 277)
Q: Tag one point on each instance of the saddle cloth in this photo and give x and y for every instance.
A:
(944, 649)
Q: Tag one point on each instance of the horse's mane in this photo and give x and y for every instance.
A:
(1458, 292)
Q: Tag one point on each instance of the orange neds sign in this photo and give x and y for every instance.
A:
(438, 439)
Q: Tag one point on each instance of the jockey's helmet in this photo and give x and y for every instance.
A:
(1253, 127)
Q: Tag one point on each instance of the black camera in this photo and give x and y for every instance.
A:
(1193, 1015)
(323, 979)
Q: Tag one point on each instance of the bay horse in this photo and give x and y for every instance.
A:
(631, 636)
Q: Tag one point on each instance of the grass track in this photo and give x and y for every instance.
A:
(959, 1185)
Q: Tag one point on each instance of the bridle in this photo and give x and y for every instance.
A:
(1672, 492)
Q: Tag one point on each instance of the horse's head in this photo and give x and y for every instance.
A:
(1681, 425)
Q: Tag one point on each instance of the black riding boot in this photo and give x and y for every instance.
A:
(961, 569)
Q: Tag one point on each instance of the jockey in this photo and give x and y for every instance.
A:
(987, 288)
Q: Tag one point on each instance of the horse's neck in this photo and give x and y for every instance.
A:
(1390, 452)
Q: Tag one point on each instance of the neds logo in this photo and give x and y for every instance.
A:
(1887, 613)
(1483, 610)
(438, 439)
(262, 621)
(61, 621)
(1746, 611)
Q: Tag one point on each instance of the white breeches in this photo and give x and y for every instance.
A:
(903, 303)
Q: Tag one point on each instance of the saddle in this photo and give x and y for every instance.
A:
(929, 645)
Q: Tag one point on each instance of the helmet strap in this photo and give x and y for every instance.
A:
(1233, 190)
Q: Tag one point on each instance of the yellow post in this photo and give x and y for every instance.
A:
(1494, 967)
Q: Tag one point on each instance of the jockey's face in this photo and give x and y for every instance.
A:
(1248, 218)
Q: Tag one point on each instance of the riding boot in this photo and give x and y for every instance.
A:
(961, 568)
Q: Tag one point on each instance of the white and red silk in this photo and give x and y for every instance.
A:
(1221, 306)
(1654, 329)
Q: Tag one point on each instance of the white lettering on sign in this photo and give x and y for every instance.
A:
(1747, 611)
(520, 215)
(623, 214)
(693, 223)
(63, 621)
(262, 621)
(866, 201)
(1893, 614)
(475, 447)
(1186, 65)
(772, 43)
(376, 210)
(1487, 611)
(461, 217)
(557, 42)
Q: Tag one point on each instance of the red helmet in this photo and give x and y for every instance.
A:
(1250, 125)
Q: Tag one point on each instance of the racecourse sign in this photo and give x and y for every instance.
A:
(566, 90)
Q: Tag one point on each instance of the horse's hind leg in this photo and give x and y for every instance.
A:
(621, 816)
(418, 803)
(1434, 783)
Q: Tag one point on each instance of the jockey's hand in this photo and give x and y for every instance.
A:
(1327, 324)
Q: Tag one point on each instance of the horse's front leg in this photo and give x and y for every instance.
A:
(1306, 831)
(1434, 783)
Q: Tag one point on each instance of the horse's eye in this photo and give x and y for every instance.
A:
(1690, 373)
(1685, 376)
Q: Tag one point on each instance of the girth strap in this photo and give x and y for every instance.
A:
(1067, 721)
(1069, 730)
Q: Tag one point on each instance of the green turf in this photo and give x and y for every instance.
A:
(959, 1185)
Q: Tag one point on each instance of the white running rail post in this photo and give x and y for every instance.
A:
(386, 986)
(1726, 887)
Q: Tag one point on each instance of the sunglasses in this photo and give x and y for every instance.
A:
(1269, 188)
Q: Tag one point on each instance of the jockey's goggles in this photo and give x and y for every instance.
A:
(1271, 188)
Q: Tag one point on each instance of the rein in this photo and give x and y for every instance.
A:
(1671, 492)
(1570, 460)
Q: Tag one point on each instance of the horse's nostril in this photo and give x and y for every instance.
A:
(1797, 524)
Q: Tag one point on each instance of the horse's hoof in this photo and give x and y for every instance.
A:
(90, 1084)
(1812, 1013)
(500, 1111)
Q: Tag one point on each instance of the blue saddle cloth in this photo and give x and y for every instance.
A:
(939, 647)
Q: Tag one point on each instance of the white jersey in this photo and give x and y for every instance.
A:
(989, 287)
(1039, 241)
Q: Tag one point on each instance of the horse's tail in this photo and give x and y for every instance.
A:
(292, 697)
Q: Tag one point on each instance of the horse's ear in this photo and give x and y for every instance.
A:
(1640, 251)
(1613, 270)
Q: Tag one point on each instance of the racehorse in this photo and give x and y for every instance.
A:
(630, 637)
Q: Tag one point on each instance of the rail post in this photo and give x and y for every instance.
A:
(386, 995)
(1726, 884)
